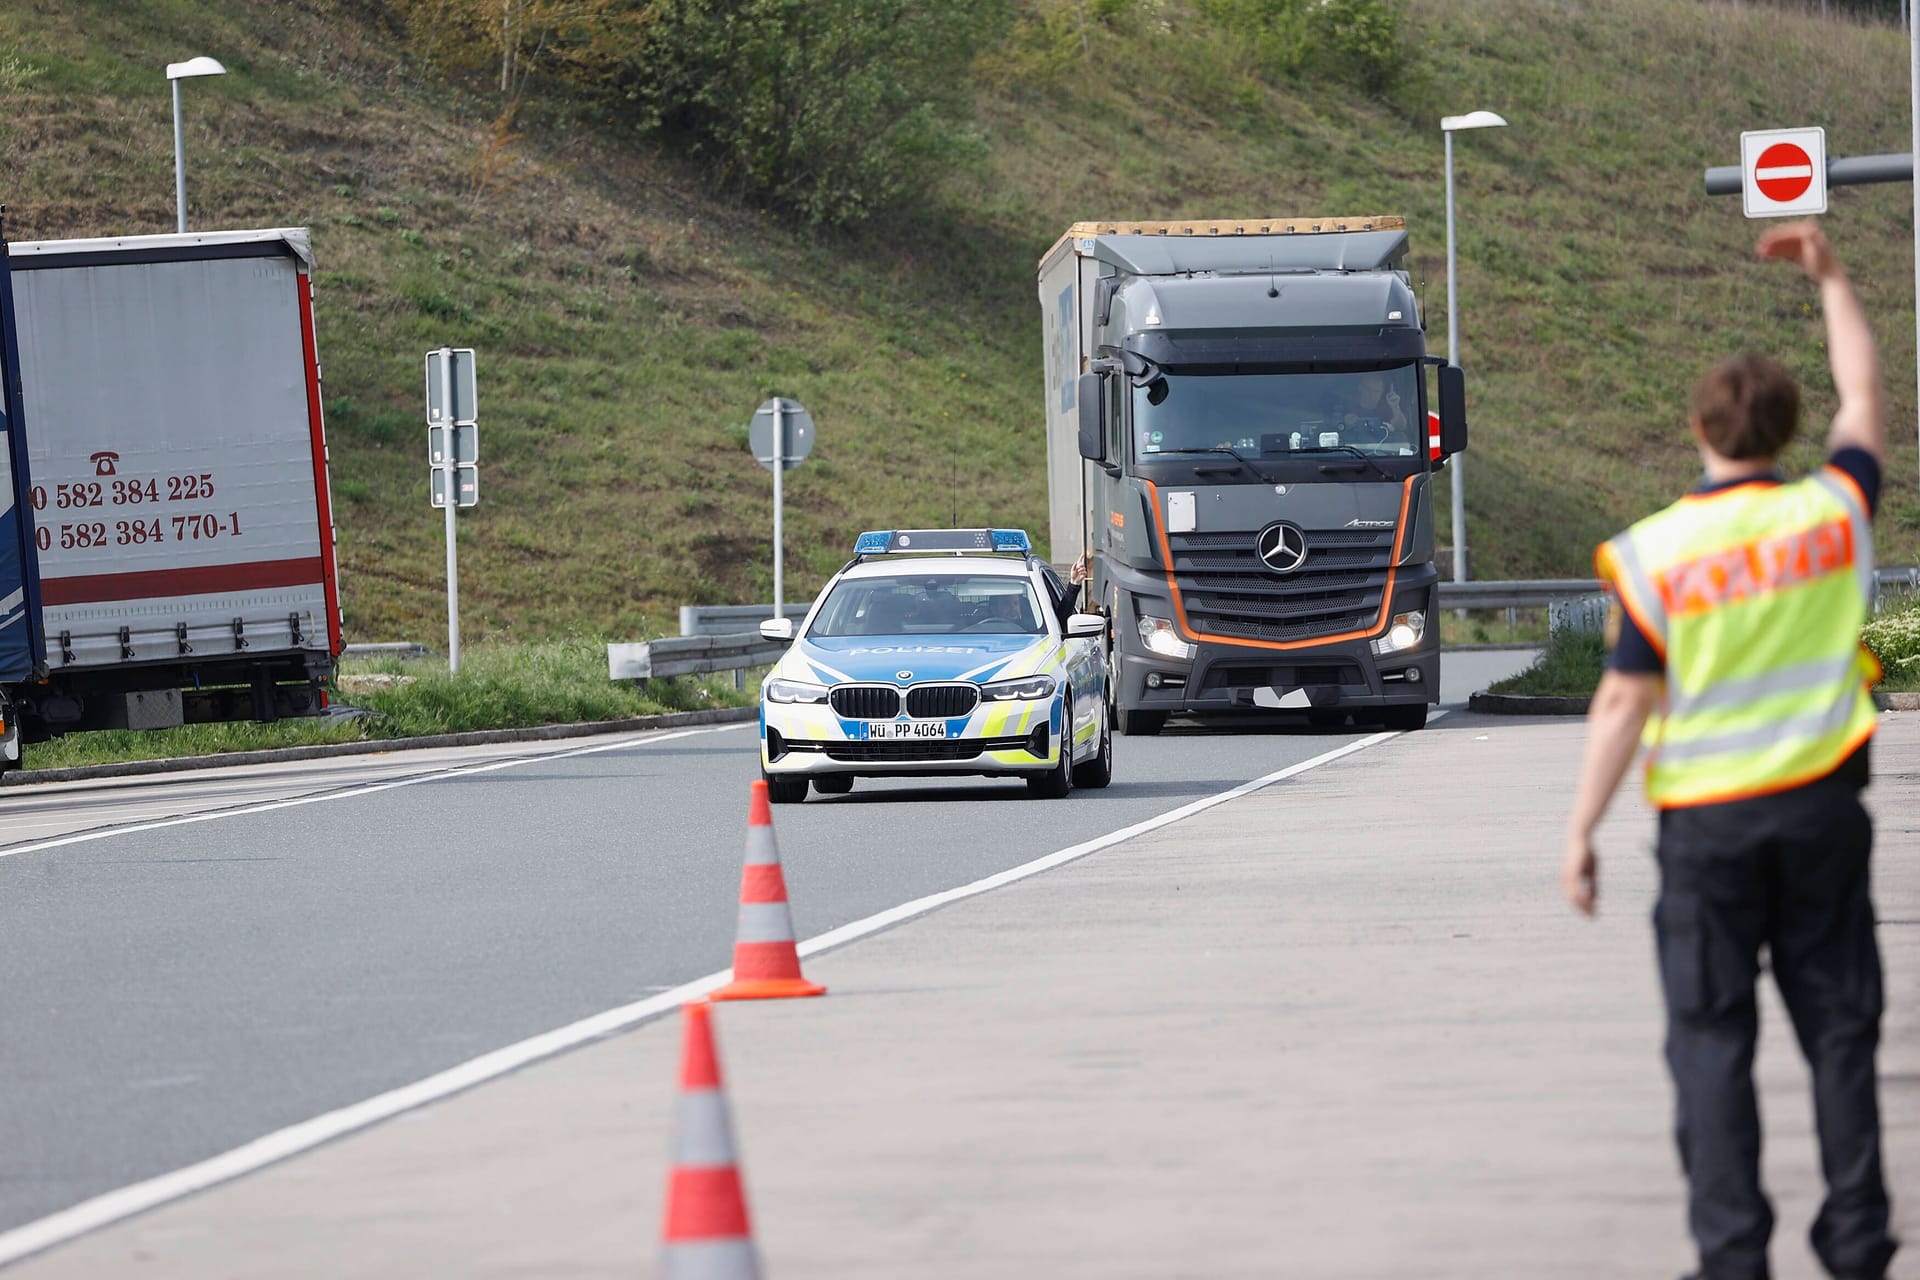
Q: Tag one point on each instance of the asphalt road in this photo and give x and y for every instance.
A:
(168, 992)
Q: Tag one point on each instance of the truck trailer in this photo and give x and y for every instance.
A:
(1240, 464)
(166, 536)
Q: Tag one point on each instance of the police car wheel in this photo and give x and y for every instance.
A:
(1098, 772)
(785, 790)
(833, 784)
(1057, 782)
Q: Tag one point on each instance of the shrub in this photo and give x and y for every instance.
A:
(833, 108)
(1357, 40)
(1894, 637)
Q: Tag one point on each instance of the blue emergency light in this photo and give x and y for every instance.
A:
(877, 542)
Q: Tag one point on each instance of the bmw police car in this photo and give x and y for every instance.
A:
(937, 652)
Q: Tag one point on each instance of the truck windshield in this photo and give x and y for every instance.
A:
(1273, 414)
(909, 604)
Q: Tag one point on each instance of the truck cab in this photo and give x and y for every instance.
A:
(1242, 448)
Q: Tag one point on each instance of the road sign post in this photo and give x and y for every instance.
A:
(453, 457)
(781, 437)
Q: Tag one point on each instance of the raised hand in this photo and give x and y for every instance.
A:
(1802, 242)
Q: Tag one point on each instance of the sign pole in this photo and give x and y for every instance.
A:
(1913, 88)
(779, 499)
(1458, 481)
(450, 468)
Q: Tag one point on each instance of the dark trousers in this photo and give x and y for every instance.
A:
(1788, 872)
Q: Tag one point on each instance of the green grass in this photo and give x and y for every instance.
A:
(1568, 667)
(500, 686)
(628, 319)
(1894, 636)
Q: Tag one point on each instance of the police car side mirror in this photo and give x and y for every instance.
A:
(1453, 410)
(1086, 624)
(777, 629)
(1092, 393)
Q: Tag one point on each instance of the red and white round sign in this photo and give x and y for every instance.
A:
(1783, 172)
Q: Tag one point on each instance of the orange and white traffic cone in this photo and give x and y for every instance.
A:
(766, 962)
(707, 1236)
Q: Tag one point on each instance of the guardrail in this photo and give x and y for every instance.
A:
(394, 649)
(693, 656)
(730, 619)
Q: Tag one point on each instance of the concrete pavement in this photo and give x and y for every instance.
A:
(1314, 1031)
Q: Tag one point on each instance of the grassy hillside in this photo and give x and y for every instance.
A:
(628, 320)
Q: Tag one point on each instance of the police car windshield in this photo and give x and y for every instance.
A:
(1270, 415)
(910, 604)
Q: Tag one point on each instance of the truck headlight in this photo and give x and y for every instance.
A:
(1405, 632)
(1030, 689)
(1160, 637)
(794, 691)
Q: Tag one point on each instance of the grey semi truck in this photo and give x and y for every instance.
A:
(1242, 439)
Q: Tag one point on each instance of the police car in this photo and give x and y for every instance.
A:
(937, 653)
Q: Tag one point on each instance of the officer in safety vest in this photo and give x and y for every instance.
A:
(1738, 654)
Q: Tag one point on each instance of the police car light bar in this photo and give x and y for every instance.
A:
(876, 542)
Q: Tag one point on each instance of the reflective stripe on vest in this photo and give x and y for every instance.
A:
(1754, 597)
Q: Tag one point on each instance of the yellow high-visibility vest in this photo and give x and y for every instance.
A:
(1754, 596)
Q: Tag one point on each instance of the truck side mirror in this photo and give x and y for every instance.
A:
(1453, 410)
(1092, 395)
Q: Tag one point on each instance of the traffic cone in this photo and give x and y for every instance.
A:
(766, 963)
(706, 1236)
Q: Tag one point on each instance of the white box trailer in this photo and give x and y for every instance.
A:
(169, 399)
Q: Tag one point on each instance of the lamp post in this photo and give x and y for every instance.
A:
(1449, 125)
(176, 72)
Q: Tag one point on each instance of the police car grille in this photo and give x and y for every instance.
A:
(1225, 589)
(865, 701)
(915, 749)
(942, 701)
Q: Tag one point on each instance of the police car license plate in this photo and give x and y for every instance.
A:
(889, 729)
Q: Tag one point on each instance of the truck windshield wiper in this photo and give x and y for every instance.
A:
(1347, 448)
(1233, 453)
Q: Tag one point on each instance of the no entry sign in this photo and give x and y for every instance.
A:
(1784, 172)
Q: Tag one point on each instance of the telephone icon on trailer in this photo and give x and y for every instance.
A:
(103, 462)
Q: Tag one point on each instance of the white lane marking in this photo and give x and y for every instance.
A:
(359, 789)
(103, 1210)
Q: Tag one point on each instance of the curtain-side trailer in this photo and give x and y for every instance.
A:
(166, 535)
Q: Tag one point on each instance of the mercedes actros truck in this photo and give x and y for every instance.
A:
(1242, 440)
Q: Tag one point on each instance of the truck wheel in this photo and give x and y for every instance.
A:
(834, 784)
(1405, 719)
(1098, 772)
(1142, 724)
(785, 790)
(1057, 782)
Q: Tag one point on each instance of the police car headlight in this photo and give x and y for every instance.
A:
(1404, 633)
(794, 691)
(1028, 690)
(1159, 636)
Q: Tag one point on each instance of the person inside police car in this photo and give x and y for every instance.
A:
(1738, 652)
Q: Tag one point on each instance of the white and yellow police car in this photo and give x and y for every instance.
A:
(938, 652)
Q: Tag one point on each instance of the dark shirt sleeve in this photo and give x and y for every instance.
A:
(1633, 652)
(1863, 469)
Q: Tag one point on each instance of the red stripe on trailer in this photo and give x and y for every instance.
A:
(199, 580)
(322, 497)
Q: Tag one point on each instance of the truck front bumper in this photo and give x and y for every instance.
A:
(1335, 676)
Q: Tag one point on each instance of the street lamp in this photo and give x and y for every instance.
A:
(1449, 125)
(176, 72)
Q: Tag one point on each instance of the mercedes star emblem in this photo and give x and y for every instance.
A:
(1281, 547)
